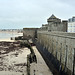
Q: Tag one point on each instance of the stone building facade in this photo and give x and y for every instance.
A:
(29, 33)
(55, 24)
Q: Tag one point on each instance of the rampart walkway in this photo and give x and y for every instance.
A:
(39, 68)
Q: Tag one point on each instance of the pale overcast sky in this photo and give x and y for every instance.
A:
(33, 13)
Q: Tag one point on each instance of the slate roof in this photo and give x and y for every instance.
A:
(52, 16)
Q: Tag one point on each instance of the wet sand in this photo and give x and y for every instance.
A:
(13, 58)
(6, 40)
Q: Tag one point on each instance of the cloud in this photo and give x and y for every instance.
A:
(32, 13)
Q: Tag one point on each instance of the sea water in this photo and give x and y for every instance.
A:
(7, 35)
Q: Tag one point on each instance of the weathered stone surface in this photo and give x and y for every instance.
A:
(60, 45)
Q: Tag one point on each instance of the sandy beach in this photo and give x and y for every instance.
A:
(13, 58)
(7, 40)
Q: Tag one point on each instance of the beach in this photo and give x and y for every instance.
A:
(13, 58)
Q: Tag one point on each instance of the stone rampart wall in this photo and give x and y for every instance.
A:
(29, 32)
(61, 45)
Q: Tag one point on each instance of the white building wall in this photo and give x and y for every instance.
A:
(71, 26)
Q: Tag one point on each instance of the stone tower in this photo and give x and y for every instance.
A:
(53, 19)
(55, 24)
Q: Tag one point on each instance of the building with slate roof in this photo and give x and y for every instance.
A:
(53, 19)
(55, 24)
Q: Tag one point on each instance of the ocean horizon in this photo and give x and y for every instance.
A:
(8, 34)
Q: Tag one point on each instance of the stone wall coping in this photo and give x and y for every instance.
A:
(58, 35)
